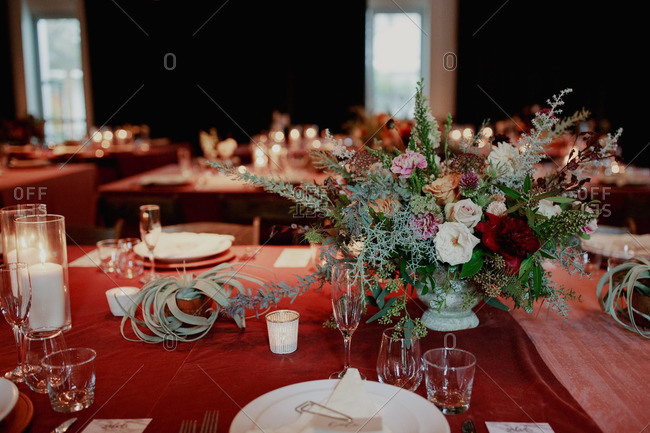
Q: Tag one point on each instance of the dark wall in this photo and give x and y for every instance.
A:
(7, 107)
(235, 62)
(307, 58)
(521, 53)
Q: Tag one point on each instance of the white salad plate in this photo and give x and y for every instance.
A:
(8, 397)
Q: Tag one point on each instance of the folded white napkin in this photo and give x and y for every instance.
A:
(349, 397)
(89, 260)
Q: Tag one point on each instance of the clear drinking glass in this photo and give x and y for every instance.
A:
(150, 229)
(107, 251)
(70, 376)
(38, 344)
(449, 377)
(399, 362)
(347, 306)
(15, 301)
(128, 263)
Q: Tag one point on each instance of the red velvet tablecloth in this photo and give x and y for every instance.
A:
(230, 367)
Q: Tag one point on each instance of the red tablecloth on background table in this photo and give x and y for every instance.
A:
(68, 190)
(230, 367)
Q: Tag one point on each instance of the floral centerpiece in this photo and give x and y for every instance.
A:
(426, 219)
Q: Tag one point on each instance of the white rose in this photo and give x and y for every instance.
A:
(464, 211)
(502, 158)
(455, 243)
(548, 209)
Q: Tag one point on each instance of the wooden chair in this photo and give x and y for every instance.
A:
(245, 234)
(89, 235)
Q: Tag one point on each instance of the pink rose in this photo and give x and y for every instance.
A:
(408, 161)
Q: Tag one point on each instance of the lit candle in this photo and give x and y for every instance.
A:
(120, 137)
(27, 255)
(48, 296)
(294, 138)
(276, 151)
(310, 132)
(260, 159)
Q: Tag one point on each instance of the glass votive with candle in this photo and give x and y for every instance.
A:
(277, 157)
(8, 216)
(282, 327)
(310, 132)
(42, 245)
(295, 137)
(260, 155)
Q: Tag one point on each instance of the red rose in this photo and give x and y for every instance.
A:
(510, 237)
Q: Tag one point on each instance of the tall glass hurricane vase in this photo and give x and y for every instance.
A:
(8, 216)
(15, 301)
(347, 306)
(42, 245)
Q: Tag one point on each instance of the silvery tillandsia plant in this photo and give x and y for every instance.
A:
(424, 215)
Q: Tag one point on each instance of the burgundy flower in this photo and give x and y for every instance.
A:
(510, 237)
(469, 180)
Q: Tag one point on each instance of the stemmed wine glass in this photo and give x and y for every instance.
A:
(150, 229)
(347, 305)
(15, 300)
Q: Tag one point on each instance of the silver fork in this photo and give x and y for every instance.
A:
(188, 426)
(210, 421)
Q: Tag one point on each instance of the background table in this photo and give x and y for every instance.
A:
(68, 190)
(230, 367)
(207, 196)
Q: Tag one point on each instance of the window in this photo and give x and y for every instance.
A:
(396, 55)
(49, 59)
(62, 104)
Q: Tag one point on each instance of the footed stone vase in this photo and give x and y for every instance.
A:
(451, 311)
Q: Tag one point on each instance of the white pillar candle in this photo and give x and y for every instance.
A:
(27, 255)
(48, 296)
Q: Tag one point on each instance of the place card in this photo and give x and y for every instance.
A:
(293, 258)
(518, 427)
(136, 425)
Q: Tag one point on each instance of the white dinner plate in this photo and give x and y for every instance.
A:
(165, 179)
(401, 411)
(186, 246)
(8, 397)
(618, 245)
